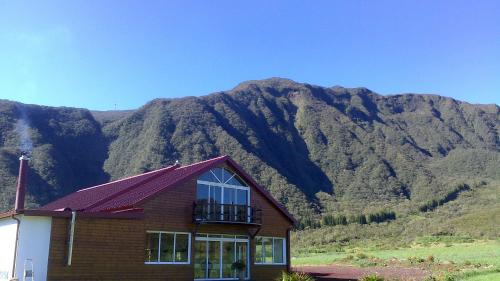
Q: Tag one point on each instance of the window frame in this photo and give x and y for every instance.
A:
(224, 185)
(262, 250)
(207, 237)
(174, 247)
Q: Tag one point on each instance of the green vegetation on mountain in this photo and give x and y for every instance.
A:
(320, 151)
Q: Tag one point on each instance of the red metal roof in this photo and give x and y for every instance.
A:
(126, 194)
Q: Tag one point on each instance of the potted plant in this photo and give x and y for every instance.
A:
(239, 266)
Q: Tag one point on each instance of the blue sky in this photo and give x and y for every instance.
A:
(98, 54)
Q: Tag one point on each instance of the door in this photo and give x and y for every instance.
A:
(215, 255)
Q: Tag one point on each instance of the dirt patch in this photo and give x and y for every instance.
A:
(346, 272)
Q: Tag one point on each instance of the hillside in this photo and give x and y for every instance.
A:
(316, 149)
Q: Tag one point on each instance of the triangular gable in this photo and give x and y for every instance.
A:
(238, 170)
(130, 192)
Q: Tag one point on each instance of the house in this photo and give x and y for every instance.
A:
(177, 223)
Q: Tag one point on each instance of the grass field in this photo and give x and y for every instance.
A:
(476, 260)
(492, 276)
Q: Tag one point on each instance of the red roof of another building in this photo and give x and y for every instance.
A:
(126, 194)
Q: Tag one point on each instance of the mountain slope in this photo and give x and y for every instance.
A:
(351, 145)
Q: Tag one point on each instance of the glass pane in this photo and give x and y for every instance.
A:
(268, 250)
(241, 255)
(278, 250)
(208, 176)
(241, 196)
(215, 194)
(241, 200)
(226, 175)
(167, 247)
(202, 193)
(218, 174)
(229, 195)
(213, 259)
(200, 259)
(236, 180)
(227, 259)
(240, 213)
(181, 247)
(258, 250)
(215, 210)
(152, 247)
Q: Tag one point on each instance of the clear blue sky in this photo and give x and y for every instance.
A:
(96, 54)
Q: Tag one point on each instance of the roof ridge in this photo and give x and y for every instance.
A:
(127, 178)
(216, 159)
(205, 161)
(114, 195)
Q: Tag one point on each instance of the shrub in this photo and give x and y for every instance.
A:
(361, 256)
(294, 276)
(415, 260)
(373, 277)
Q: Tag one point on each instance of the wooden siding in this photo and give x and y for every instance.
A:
(113, 249)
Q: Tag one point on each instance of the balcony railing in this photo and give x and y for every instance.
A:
(226, 213)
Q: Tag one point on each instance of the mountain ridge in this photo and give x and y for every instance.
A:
(298, 140)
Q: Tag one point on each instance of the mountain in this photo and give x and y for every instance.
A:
(316, 149)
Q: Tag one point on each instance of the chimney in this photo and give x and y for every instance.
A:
(21, 182)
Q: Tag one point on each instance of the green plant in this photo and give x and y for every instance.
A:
(414, 260)
(361, 256)
(372, 278)
(238, 266)
(294, 276)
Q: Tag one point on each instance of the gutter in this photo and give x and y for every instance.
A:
(71, 237)
(288, 252)
(13, 274)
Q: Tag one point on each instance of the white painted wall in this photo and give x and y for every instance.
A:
(8, 228)
(34, 242)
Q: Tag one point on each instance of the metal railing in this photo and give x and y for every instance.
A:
(204, 212)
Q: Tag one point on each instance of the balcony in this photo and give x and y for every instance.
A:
(226, 214)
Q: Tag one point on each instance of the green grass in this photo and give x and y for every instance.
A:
(484, 252)
(489, 276)
(477, 260)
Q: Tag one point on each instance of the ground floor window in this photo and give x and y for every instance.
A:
(168, 247)
(215, 255)
(270, 250)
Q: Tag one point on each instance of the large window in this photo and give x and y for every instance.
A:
(270, 250)
(168, 247)
(223, 196)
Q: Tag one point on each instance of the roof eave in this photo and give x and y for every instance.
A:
(129, 214)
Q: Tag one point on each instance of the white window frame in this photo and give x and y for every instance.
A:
(262, 251)
(175, 240)
(225, 185)
(205, 237)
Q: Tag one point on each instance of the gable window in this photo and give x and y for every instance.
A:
(270, 250)
(168, 247)
(223, 196)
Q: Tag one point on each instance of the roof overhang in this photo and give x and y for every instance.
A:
(128, 214)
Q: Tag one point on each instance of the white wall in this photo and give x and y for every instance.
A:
(8, 228)
(34, 242)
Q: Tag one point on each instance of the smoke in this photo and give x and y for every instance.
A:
(22, 129)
